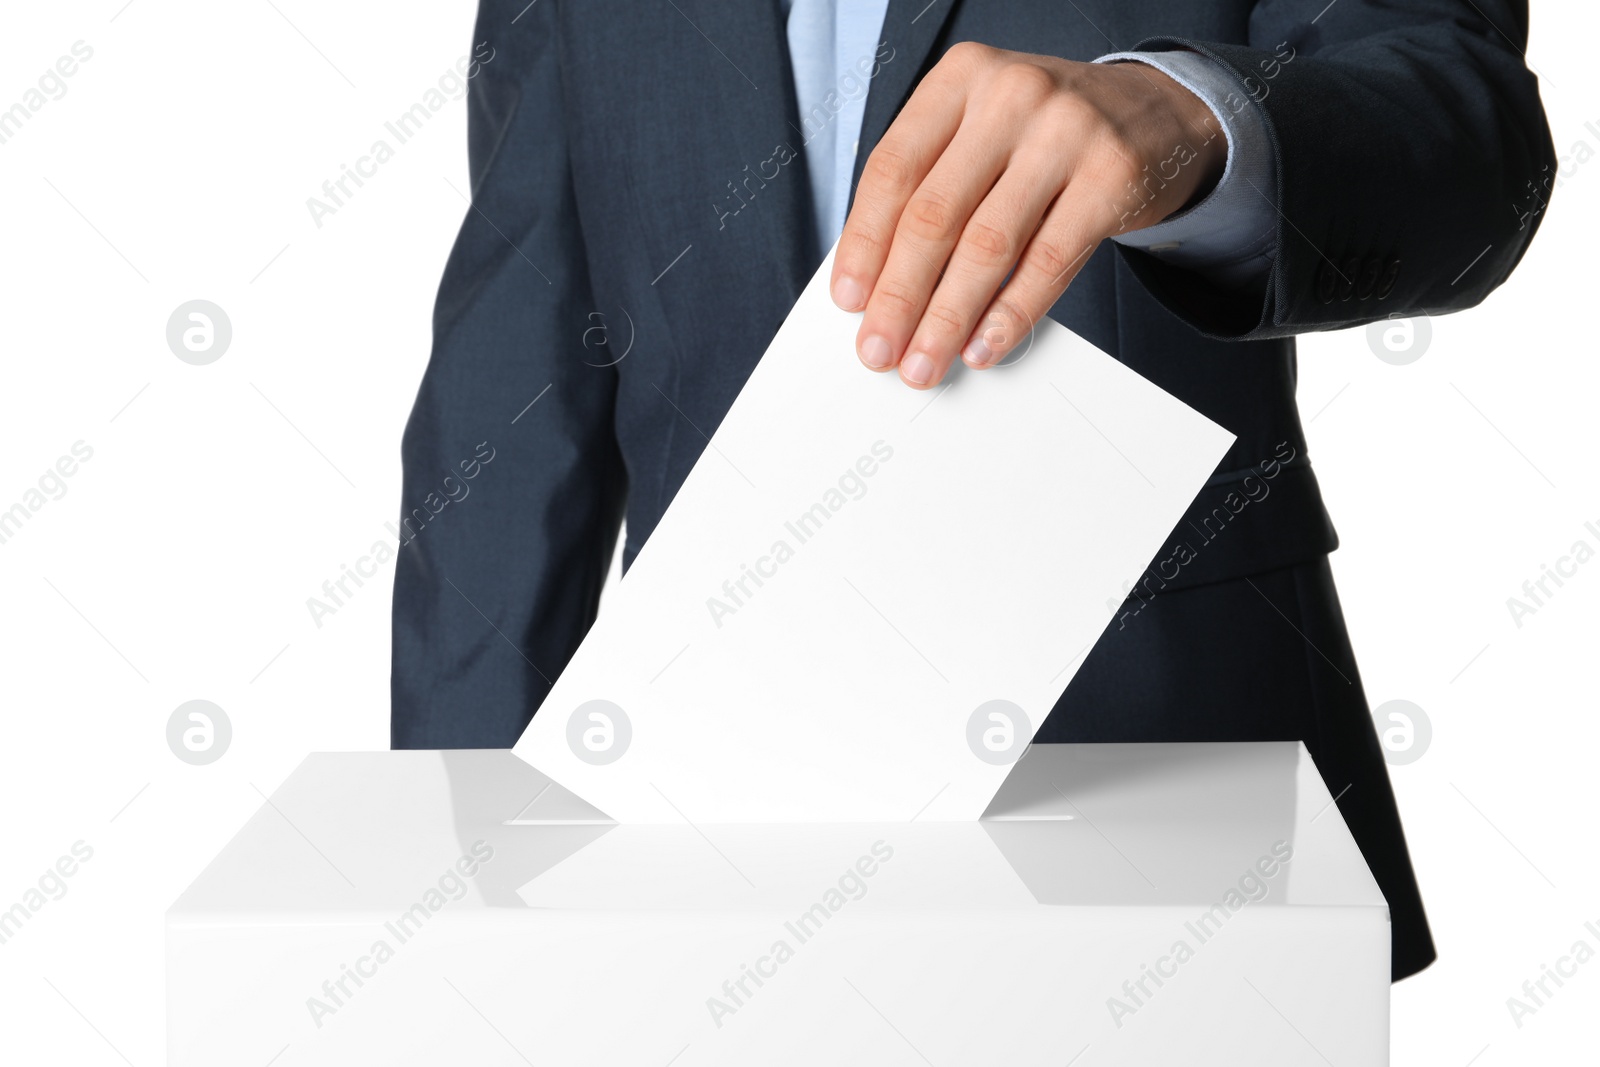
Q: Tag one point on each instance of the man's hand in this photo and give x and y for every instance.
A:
(1005, 160)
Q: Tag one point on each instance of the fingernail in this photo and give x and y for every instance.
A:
(978, 353)
(847, 293)
(917, 369)
(875, 353)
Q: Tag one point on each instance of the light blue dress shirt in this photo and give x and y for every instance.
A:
(832, 48)
(1228, 237)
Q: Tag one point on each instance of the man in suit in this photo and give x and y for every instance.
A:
(664, 178)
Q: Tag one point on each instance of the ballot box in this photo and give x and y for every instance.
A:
(1117, 904)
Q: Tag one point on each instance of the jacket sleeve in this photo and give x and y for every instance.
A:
(512, 485)
(1412, 156)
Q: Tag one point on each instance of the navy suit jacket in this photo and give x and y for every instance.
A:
(639, 229)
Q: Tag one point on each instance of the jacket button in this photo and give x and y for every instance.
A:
(1326, 280)
(1369, 278)
(1347, 283)
(1391, 271)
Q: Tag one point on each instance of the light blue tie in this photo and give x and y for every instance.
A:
(832, 49)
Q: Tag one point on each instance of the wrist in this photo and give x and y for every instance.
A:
(1181, 143)
(1198, 142)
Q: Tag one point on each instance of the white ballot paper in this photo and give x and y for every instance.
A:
(865, 598)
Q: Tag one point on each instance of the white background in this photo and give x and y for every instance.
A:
(219, 498)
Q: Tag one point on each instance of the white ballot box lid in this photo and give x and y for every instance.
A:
(348, 835)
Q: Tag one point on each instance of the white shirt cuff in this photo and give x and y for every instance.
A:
(1230, 237)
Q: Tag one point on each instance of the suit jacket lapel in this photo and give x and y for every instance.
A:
(911, 28)
(758, 119)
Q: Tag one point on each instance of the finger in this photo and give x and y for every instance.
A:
(928, 229)
(989, 246)
(1053, 257)
(917, 137)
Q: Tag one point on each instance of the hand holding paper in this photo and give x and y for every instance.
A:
(1007, 168)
